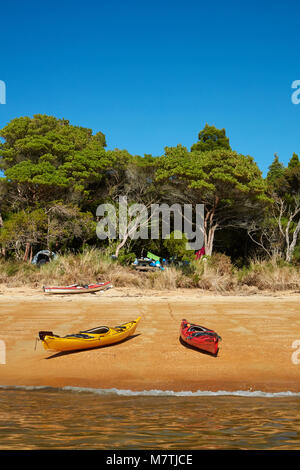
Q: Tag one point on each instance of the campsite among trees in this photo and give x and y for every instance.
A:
(55, 175)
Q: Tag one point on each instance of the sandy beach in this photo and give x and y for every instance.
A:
(255, 352)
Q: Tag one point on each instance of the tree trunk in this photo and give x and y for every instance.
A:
(291, 246)
(30, 256)
(210, 240)
(209, 230)
(130, 230)
(282, 209)
(48, 232)
(27, 250)
(121, 245)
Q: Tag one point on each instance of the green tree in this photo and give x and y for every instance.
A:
(229, 184)
(22, 230)
(211, 138)
(294, 161)
(284, 188)
(177, 246)
(276, 171)
(46, 158)
(54, 227)
(66, 223)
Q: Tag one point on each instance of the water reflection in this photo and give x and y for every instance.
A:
(52, 419)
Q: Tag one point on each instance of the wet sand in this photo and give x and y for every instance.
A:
(255, 352)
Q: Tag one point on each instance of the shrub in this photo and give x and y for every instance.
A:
(220, 263)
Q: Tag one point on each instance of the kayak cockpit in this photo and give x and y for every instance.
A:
(100, 330)
(197, 328)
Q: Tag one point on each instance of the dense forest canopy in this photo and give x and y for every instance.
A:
(55, 175)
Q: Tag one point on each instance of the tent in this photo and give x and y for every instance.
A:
(43, 256)
(152, 256)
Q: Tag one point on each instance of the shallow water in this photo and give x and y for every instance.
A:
(47, 418)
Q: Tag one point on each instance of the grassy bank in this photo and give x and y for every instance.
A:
(215, 274)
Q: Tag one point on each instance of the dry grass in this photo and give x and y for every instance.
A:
(270, 276)
(215, 274)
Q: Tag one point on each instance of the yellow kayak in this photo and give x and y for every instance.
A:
(94, 338)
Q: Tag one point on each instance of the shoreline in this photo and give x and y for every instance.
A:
(255, 354)
(126, 292)
(155, 392)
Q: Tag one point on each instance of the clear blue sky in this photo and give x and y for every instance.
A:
(151, 74)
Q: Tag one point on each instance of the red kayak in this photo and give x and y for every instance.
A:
(77, 289)
(199, 337)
